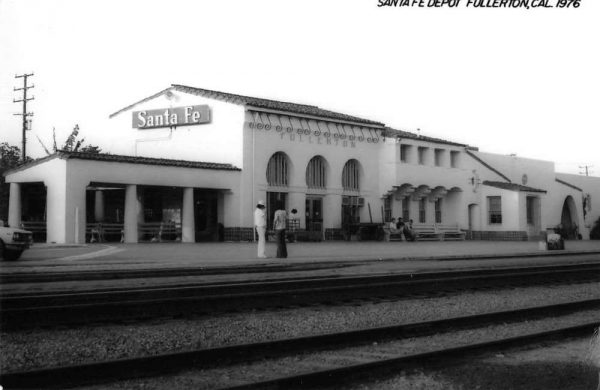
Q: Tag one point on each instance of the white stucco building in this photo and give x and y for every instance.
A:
(191, 164)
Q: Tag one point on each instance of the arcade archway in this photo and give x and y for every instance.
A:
(568, 220)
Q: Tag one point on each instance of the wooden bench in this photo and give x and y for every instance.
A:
(451, 232)
(159, 231)
(389, 235)
(102, 232)
(427, 232)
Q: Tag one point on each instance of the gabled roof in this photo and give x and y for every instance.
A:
(568, 184)
(389, 132)
(488, 166)
(511, 186)
(66, 155)
(259, 103)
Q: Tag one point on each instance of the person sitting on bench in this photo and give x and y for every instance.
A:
(408, 232)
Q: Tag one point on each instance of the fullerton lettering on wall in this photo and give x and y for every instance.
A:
(168, 117)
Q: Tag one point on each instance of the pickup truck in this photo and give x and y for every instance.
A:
(13, 242)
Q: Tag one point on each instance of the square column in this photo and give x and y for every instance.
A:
(14, 205)
(131, 214)
(188, 231)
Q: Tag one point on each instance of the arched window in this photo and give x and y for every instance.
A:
(350, 176)
(315, 173)
(277, 170)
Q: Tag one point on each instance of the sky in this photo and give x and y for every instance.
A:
(508, 81)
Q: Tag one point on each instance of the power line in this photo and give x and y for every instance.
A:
(24, 114)
(587, 172)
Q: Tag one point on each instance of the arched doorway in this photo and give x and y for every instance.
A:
(568, 220)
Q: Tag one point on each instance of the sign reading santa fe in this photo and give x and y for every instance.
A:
(174, 116)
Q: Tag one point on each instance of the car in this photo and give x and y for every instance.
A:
(13, 242)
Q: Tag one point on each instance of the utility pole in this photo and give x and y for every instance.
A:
(586, 169)
(24, 114)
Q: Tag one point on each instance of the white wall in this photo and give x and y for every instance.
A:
(218, 141)
(301, 148)
(540, 174)
(589, 185)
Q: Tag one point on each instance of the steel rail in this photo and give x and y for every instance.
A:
(78, 308)
(274, 283)
(437, 358)
(120, 369)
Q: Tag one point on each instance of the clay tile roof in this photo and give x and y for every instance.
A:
(511, 186)
(145, 160)
(274, 105)
(389, 132)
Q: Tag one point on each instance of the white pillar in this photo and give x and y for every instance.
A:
(332, 211)
(188, 233)
(14, 205)
(131, 214)
(99, 206)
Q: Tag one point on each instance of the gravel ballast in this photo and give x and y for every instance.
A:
(48, 348)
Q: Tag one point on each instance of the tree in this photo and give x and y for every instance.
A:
(10, 157)
(72, 144)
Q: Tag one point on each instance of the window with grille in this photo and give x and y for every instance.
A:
(422, 205)
(315, 173)
(350, 176)
(387, 208)
(438, 210)
(494, 210)
(277, 170)
(406, 209)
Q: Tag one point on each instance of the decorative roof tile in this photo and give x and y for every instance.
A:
(144, 160)
(274, 105)
(511, 186)
(389, 132)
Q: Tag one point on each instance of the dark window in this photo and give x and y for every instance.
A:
(277, 170)
(494, 210)
(406, 209)
(438, 210)
(387, 208)
(350, 176)
(422, 205)
(315, 173)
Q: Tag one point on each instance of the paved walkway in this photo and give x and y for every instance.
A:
(224, 254)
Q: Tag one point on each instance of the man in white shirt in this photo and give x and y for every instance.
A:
(260, 224)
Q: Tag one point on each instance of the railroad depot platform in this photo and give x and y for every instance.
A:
(160, 255)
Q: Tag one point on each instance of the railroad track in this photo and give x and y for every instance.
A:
(24, 311)
(382, 357)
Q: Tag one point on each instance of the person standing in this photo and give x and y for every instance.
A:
(279, 224)
(260, 224)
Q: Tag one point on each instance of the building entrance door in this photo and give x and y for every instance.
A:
(314, 213)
